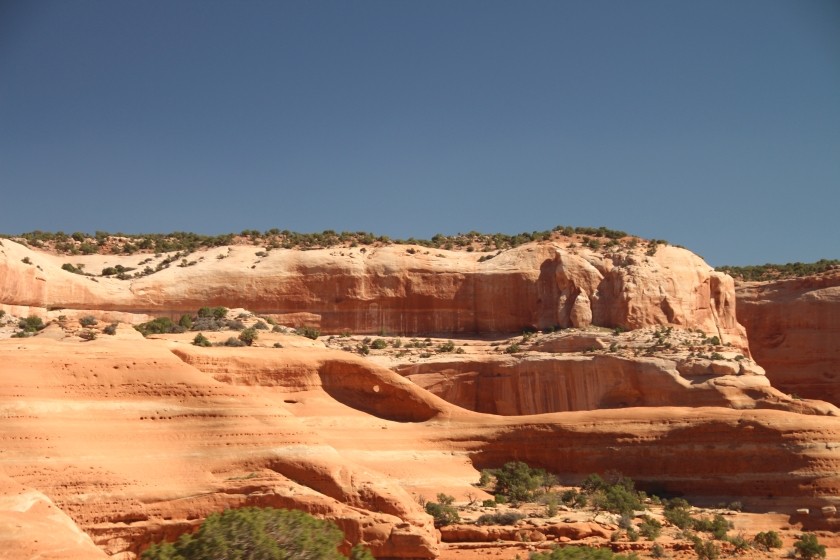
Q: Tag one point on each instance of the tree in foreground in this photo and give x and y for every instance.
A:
(255, 534)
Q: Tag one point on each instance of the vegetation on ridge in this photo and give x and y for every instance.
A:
(124, 243)
(769, 271)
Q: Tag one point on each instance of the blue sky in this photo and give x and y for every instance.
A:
(714, 125)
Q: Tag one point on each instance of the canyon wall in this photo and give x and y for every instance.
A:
(398, 289)
(794, 332)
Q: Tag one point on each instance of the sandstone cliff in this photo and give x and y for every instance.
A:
(398, 289)
(794, 332)
(136, 440)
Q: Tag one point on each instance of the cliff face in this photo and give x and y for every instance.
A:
(794, 332)
(403, 290)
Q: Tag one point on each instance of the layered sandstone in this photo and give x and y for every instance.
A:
(794, 332)
(138, 440)
(399, 289)
(589, 370)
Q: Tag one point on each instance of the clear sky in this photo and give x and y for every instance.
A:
(714, 124)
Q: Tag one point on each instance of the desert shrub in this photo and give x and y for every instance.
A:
(87, 335)
(233, 324)
(616, 495)
(31, 324)
(260, 326)
(255, 533)
(501, 518)
(161, 325)
(650, 528)
(2, 313)
(446, 347)
(677, 513)
(88, 321)
(208, 324)
(74, 269)
(379, 344)
(249, 336)
(442, 511)
(718, 525)
(488, 503)
(214, 312)
(739, 543)
(110, 329)
(517, 481)
(186, 321)
(808, 547)
(574, 498)
(706, 550)
(513, 349)
(363, 349)
(201, 340)
(308, 332)
(233, 342)
(768, 540)
(26, 260)
(577, 553)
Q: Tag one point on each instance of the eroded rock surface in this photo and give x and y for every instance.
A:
(794, 332)
(401, 290)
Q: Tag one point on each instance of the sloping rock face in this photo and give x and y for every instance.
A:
(794, 332)
(139, 440)
(402, 290)
(135, 444)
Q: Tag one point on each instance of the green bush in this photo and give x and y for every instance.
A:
(650, 528)
(31, 324)
(706, 550)
(618, 495)
(577, 553)
(808, 547)
(501, 518)
(234, 342)
(379, 344)
(718, 525)
(110, 329)
(186, 321)
(201, 340)
(249, 336)
(161, 325)
(87, 335)
(255, 534)
(768, 540)
(213, 312)
(442, 511)
(88, 321)
(677, 513)
(308, 332)
(446, 347)
(517, 481)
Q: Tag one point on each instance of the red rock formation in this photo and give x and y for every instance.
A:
(394, 290)
(138, 440)
(794, 332)
(539, 384)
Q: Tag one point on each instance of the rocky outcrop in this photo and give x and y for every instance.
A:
(539, 384)
(794, 328)
(401, 290)
(590, 369)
